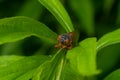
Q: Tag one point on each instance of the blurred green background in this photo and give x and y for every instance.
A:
(91, 18)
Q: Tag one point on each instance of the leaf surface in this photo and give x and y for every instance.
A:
(109, 39)
(57, 9)
(17, 28)
(83, 57)
(51, 70)
(5, 60)
(84, 10)
(69, 74)
(20, 68)
(114, 75)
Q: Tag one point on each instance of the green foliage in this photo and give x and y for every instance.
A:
(118, 15)
(108, 5)
(17, 28)
(69, 74)
(51, 70)
(85, 12)
(84, 59)
(108, 39)
(19, 67)
(87, 60)
(31, 6)
(108, 61)
(56, 8)
(5, 60)
(114, 75)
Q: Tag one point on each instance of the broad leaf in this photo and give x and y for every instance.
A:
(108, 39)
(83, 57)
(69, 74)
(20, 68)
(85, 12)
(51, 70)
(27, 76)
(5, 60)
(114, 75)
(17, 28)
(57, 9)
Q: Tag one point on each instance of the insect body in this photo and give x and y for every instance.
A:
(65, 40)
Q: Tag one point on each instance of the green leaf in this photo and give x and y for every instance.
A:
(85, 12)
(69, 74)
(27, 76)
(57, 9)
(21, 68)
(83, 57)
(108, 5)
(109, 39)
(118, 15)
(114, 75)
(108, 58)
(11, 48)
(51, 70)
(31, 8)
(17, 28)
(5, 60)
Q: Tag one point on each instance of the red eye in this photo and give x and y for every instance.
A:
(65, 40)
